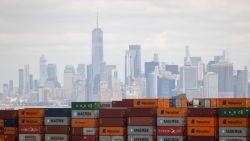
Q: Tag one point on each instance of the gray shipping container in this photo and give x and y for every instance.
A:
(89, 131)
(104, 138)
(169, 138)
(140, 130)
(30, 137)
(171, 121)
(57, 121)
(117, 138)
(106, 105)
(233, 132)
(85, 113)
(140, 138)
(56, 137)
(233, 139)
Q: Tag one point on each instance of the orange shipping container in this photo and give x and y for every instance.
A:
(233, 122)
(171, 112)
(202, 121)
(248, 102)
(89, 123)
(30, 121)
(1, 123)
(1, 137)
(10, 130)
(231, 102)
(201, 131)
(184, 102)
(31, 113)
(145, 103)
(163, 103)
(213, 102)
(112, 131)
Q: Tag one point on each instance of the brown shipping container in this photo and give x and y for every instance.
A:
(30, 121)
(84, 123)
(10, 137)
(202, 121)
(202, 112)
(233, 122)
(145, 121)
(112, 112)
(248, 102)
(145, 103)
(171, 112)
(141, 112)
(171, 131)
(31, 113)
(1, 137)
(127, 103)
(1, 130)
(84, 138)
(57, 129)
(232, 102)
(112, 131)
(33, 129)
(202, 139)
(112, 122)
(117, 104)
(10, 130)
(8, 114)
(201, 131)
(1, 122)
(164, 103)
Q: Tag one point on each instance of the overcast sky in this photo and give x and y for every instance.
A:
(61, 30)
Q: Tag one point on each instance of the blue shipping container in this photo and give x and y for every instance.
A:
(58, 112)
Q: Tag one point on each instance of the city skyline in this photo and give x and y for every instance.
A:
(25, 37)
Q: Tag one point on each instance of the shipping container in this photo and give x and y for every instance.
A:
(10, 123)
(145, 103)
(31, 129)
(231, 102)
(57, 129)
(111, 138)
(31, 113)
(140, 138)
(84, 131)
(202, 103)
(112, 131)
(202, 112)
(85, 113)
(85, 105)
(127, 103)
(141, 112)
(58, 112)
(248, 103)
(104, 138)
(171, 131)
(57, 121)
(106, 105)
(117, 104)
(178, 103)
(163, 103)
(112, 122)
(1, 123)
(84, 138)
(10, 137)
(201, 131)
(202, 121)
(141, 130)
(171, 112)
(233, 122)
(8, 114)
(1, 130)
(233, 131)
(10, 130)
(31, 137)
(1, 137)
(30, 121)
(113, 112)
(56, 137)
(233, 139)
(234, 112)
(87, 123)
(171, 121)
(205, 138)
(145, 121)
(170, 138)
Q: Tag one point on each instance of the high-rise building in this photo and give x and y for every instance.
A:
(188, 77)
(11, 85)
(81, 69)
(43, 71)
(128, 68)
(26, 79)
(20, 81)
(225, 78)
(241, 84)
(174, 69)
(135, 53)
(31, 82)
(152, 84)
(68, 82)
(5, 90)
(150, 67)
(211, 85)
(52, 74)
(165, 87)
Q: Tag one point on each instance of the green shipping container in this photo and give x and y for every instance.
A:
(85, 105)
(234, 112)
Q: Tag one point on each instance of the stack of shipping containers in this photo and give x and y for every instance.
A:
(233, 120)
(84, 121)
(8, 125)
(31, 124)
(113, 124)
(142, 119)
(57, 124)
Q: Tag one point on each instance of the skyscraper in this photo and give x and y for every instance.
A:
(174, 69)
(241, 84)
(43, 71)
(128, 68)
(52, 74)
(26, 79)
(21, 81)
(135, 53)
(165, 87)
(211, 85)
(81, 69)
(68, 81)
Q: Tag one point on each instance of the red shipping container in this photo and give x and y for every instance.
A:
(170, 131)
(112, 112)
(10, 137)
(57, 129)
(8, 114)
(32, 129)
(1, 130)
(84, 138)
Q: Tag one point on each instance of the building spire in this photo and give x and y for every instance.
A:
(97, 18)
